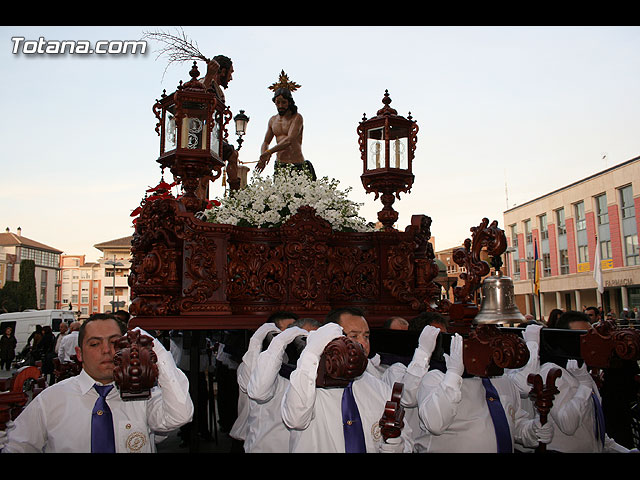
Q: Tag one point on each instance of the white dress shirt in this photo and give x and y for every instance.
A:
(68, 346)
(266, 432)
(454, 415)
(573, 416)
(59, 418)
(314, 415)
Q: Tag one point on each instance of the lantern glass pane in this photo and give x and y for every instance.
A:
(398, 146)
(398, 153)
(241, 124)
(170, 130)
(375, 149)
(214, 139)
(192, 133)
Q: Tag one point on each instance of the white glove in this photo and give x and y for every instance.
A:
(318, 339)
(453, 359)
(255, 342)
(532, 334)
(392, 445)
(580, 373)
(544, 433)
(427, 339)
(287, 336)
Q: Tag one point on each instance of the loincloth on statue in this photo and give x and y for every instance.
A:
(305, 166)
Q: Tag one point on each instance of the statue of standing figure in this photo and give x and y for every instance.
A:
(286, 126)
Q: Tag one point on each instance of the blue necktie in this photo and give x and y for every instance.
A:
(351, 423)
(102, 436)
(600, 428)
(500, 423)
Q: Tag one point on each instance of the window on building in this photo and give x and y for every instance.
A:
(581, 223)
(564, 262)
(43, 289)
(602, 212)
(546, 265)
(516, 269)
(514, 235)
(631, 249)
(605, 249)
(527, 231)
(626, 202)
(583, 254)
(562, 228)
(544, 231)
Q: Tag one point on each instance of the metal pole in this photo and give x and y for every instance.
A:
(113, 293)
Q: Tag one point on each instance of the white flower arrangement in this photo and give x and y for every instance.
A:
(270, 201)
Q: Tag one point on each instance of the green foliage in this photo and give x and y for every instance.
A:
(9, 297)
(27, 296)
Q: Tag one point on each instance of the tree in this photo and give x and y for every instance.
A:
(9, 297)
(27, 296)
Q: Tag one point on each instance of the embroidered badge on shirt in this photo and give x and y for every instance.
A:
(135, 442)
(376, 433)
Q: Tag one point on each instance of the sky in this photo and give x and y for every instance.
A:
(505, 114)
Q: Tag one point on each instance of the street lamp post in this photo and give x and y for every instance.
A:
(113, 293)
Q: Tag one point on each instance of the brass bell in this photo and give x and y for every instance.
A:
(498, 301)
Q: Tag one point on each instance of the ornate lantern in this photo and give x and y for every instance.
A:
(191, 126)
(387, 145)
(241, 120)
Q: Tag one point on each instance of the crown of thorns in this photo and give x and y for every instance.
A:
(284, 82)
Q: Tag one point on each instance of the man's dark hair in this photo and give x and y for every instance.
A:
(225, 64)
(334, 315)
(223, 61)
(286, 93)
(595, 310)
(99, 316)
(418, 323)
(301, 322)
(389, 321)
(277, 317)
(571, 316)
(123, 315)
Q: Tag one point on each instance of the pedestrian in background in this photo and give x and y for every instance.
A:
(8, 344)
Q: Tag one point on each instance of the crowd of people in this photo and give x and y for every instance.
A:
(270, 403)
(446, 409)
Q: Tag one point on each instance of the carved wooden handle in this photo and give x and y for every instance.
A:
(392, 419)
(542, 396)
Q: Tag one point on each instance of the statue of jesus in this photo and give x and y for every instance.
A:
(286, 126)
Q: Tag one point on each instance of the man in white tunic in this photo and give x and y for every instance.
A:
(455, 412)
(266, 431)
(59, 419)
(276, 322)
(315, 416)
(576, 414)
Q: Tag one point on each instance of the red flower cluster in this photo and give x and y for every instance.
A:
(160, 191)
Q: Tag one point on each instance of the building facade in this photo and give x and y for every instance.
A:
(14, 247)
(115, 263)
(97, 287)
(563, 229)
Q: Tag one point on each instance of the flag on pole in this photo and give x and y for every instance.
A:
(597, 269)
(536, 269)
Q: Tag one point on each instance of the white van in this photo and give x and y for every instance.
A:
(24, 323)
